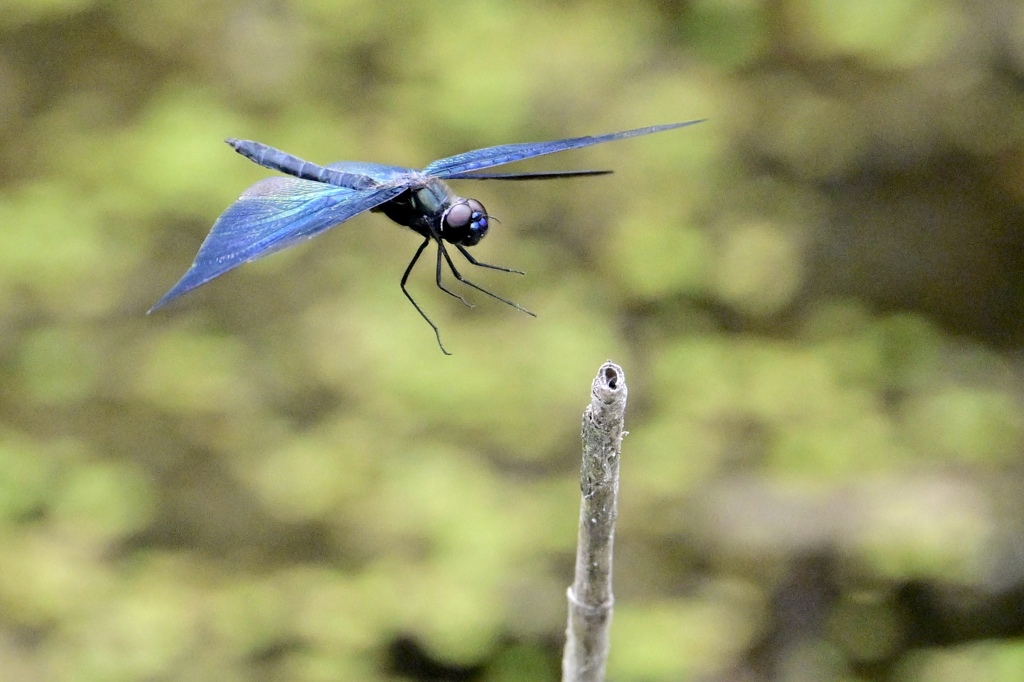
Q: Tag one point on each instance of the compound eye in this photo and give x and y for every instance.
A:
(478, 222)
(459, 215)
(465, 222)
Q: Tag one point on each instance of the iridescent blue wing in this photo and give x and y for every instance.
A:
(272, 215)
(378, 172)
(507, 153)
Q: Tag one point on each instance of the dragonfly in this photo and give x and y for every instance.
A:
(279, 212)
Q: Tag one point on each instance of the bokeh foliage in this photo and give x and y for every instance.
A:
(816, 297)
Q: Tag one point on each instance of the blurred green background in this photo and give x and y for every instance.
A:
(816, 296)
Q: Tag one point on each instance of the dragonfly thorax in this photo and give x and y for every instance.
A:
(419, 208)
(434, 211)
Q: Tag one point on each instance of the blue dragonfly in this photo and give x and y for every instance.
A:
(279, 212)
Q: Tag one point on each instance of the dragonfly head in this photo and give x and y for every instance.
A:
(465, 222)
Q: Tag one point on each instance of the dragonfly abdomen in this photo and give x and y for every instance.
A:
(275, 159)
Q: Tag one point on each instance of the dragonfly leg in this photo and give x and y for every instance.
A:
(440, 285)
(465, 281)
(474, 261)
(405, 278)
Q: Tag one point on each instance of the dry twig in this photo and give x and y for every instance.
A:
(590, 597)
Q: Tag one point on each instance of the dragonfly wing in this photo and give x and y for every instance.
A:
(540, 175)
(507, 153)
(377, 171)
(273, 214)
